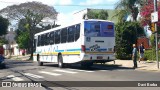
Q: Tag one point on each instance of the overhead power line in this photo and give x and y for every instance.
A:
(64, 5)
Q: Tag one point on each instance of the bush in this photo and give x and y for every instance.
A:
(126, 36)
(151, 55)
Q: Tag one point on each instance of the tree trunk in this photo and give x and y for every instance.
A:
(31, 48)
(31, 43)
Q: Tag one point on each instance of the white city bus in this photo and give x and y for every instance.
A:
(87, 42)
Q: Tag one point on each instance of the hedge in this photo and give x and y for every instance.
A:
(151, 55)
(126, 36)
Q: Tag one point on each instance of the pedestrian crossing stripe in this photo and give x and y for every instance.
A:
(33, 75)
(15, 78)
(70, 71)
(50, 73)
(65, 71)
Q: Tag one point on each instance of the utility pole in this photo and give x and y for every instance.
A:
(156, 34)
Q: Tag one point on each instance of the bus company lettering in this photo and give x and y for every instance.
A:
(94, 47)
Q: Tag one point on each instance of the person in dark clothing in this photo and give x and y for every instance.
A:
(141, 52)
(134, 56)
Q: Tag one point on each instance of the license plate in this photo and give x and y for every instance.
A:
(99, 57)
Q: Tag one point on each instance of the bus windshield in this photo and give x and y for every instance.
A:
(98, 29)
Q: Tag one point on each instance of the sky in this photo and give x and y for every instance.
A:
(66, 8)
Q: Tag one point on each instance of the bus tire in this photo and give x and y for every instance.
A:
(38, 60)
(60, 61)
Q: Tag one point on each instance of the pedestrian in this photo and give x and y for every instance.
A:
(134, 56)
(23, 52)
(141, 52)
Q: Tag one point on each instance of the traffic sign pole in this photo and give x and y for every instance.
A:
(156, 34)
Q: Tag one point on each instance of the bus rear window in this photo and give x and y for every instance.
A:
(98, 29)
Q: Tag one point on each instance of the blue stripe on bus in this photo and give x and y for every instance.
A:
(68, 50)
(73, 50)
(59, 50)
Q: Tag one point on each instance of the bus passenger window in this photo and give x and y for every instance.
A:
(64, 35)
(77, 32)
(48, 34)
(42, 40)
(51, 38)
(39, 40)
(71, 31)
(45, 39)
(57, 37)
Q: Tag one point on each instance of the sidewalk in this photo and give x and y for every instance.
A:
(143, 65)
(19, 57)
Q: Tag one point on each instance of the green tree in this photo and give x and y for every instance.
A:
(22, 37)
(32, 13)
(4, 23)
(126, 35)
(3, 41)
(23, 40)
(128, 7)
(97, 14)
(103, 14)
(17, 12)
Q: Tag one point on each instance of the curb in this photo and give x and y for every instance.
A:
(147, 70)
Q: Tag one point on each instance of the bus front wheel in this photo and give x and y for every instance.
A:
(60, 61)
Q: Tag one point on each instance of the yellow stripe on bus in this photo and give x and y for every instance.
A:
(56, 53)
(99, 52)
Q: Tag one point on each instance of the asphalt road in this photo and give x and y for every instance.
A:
(98, 77)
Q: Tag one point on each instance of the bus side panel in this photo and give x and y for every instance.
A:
(72, 52)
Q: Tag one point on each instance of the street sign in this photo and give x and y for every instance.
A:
(152, 27)
(154, 17)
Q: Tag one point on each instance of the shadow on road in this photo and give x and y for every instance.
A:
(111, 67)
(93, 68)
(17, 63)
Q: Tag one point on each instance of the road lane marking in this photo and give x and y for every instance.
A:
(15, 78)
(65, 71)
(81, 70)
(33, 75)
(50, 73)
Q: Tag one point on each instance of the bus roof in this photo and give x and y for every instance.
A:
(60, 27)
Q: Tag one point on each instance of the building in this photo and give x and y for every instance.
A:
(11, 48)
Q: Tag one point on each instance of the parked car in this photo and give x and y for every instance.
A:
(2, 62)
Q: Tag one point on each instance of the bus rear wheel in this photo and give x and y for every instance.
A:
(60, 61)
